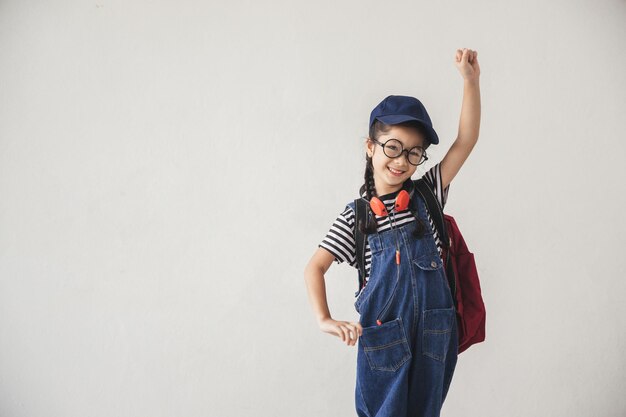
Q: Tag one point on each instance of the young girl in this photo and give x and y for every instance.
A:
(407, 330)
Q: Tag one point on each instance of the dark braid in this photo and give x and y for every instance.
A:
(370, 188)
(370, 185)
(370, 191)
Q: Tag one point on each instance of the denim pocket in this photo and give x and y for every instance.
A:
(437, 332)
(385, 345)
(430, 262)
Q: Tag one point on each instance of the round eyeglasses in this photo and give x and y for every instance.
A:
(393, 148)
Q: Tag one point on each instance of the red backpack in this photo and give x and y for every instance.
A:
(461, 270)
(459, 265)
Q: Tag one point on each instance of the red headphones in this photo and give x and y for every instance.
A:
(402, 200)
(402, 203)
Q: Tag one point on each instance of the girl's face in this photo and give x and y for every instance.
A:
(390, 174)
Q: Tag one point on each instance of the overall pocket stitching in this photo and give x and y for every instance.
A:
(437, 331)
(436, 341)
(386, 360)
(383, 346)
(426, 262)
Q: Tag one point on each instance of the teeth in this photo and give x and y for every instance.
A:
(394, 171)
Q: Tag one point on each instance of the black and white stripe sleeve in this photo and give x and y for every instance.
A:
(433, 178)
(339, 240)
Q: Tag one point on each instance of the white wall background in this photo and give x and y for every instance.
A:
(168, 168)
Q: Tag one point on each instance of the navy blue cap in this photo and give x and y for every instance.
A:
(397, 109)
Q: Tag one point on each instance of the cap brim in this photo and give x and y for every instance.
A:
(396, 119)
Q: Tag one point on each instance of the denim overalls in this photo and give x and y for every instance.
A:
(405, 364)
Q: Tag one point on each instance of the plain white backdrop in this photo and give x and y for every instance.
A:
(168, 168)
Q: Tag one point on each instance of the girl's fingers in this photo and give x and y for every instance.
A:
(347, 333)
(342, 332)
(351, 333)
(466, 55)
(354, 333)
(349, 336)
(461, 55)
(339, 332)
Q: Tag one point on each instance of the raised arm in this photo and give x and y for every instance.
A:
(469, 124)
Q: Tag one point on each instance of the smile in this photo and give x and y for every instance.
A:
(395, 172)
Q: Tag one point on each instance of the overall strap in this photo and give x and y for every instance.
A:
(437, 214)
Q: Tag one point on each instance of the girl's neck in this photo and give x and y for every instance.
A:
(383, 191)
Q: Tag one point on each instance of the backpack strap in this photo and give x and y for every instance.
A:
(360, 212)
(434, 209)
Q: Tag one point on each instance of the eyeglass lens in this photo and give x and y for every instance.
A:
(393, 149)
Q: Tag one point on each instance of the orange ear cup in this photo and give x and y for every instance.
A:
(378, 207)
(402, 201)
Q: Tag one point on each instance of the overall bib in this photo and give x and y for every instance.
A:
(405, 364)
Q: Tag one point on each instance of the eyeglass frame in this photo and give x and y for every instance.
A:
(424, 156)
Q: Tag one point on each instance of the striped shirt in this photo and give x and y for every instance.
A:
(339, 240)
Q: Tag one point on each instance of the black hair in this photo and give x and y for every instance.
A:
(376, 130)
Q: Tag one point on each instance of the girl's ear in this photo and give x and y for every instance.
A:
(369, 147)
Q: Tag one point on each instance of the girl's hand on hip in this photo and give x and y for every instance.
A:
(347, 331)
(466, 61)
